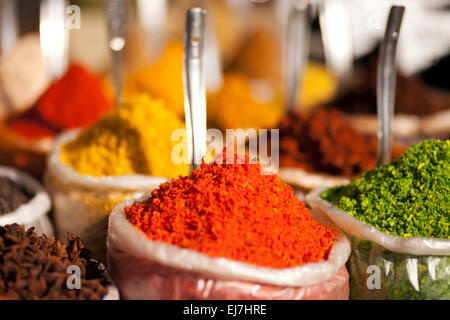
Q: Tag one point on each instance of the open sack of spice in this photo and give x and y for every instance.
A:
(397, 217)
(228, 231)
(23, 201)
(318, 148)
(34, 267)
(123, 155)
(74, 100)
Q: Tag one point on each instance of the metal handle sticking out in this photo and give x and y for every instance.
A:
(116, 16)
(386, 75)
(296, 49)
(54, 35)
(334, 18)
(9, 25)
(152, 16)
(194, 85)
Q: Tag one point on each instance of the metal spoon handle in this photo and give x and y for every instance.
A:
(9, 25)
(213, 65)
(296, 48)
(116, 16)
(152, 17)
(337, 38)
(386, 75)
(194, 85)
(54, 35)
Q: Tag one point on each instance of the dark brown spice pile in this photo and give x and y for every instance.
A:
(34, 267)
(412, 95)
(11, 195)
(322, 141)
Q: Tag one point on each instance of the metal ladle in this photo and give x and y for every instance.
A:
(9, 25)
(386, 76)
(116, 16)
(296, 48)
(194, 85)
(54, 36)
(337, 40)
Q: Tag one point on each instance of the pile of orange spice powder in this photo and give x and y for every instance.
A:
(236, 212)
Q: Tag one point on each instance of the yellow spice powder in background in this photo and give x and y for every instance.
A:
(242, 103)
(319, 85)
(163, 79)
(245, 103)
(133, 139)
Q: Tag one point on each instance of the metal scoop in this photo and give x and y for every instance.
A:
(116, 16)
(296, 50)
(386, 76)
(9, 25)
(194, 85)
(54, 36)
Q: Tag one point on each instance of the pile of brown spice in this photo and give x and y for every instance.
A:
(412, 95)
(322, 141)
(11, 195)
(35, 267)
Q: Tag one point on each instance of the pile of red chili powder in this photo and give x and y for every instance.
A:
(75, 100)
(236, 212)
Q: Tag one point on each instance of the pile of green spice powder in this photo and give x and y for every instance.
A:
(407, 197)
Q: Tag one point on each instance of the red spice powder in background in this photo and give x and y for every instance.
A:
(234, 211)
(322, 141)
(31, 125)
(30, 129)
(75, 100)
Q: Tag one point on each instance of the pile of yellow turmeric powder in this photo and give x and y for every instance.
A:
(134, 139)
(243, 104)
(239, 103)
(163, 79)
(246, 103)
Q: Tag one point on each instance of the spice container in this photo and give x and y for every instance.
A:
(82, 203)
(73, 101)
(121, 156)
(36, 202)
(400, 234)
(25, 252)
(191, 241)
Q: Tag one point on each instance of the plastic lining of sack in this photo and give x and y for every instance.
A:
(82, 203)
(141, 268)
(384, 266)
(351, 225)
(34, 212)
